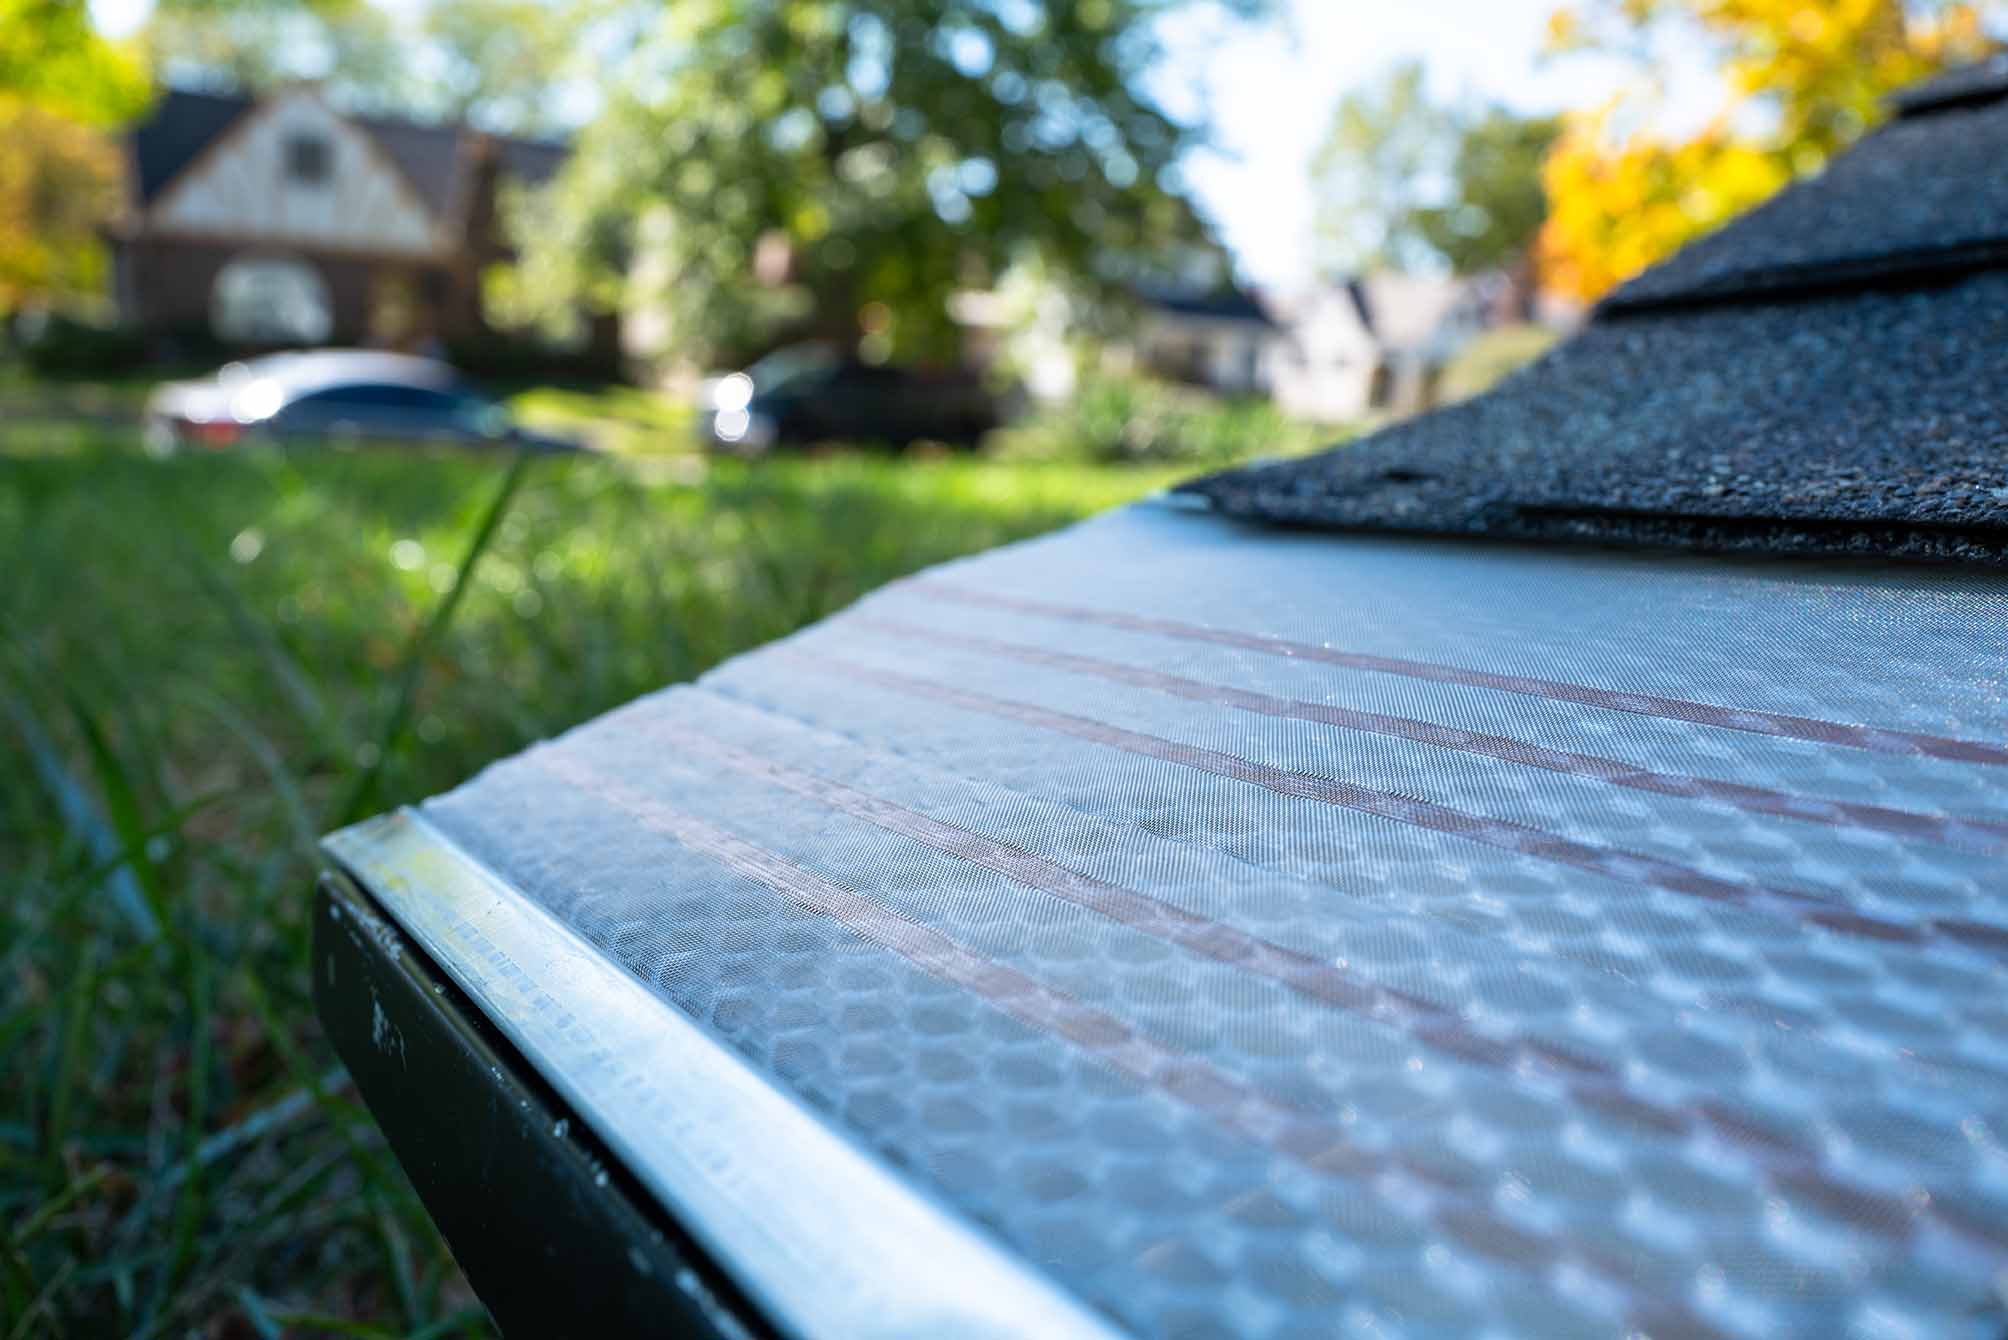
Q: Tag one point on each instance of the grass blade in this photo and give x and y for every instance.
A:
(70, 1053)
(293, 684)
(362, 797)
(81, 814)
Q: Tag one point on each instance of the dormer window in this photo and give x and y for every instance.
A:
(307, 158)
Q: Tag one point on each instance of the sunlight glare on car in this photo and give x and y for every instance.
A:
(733, 394)
(260, 400)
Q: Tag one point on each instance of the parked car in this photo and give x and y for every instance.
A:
(809, 393)
(331, 394)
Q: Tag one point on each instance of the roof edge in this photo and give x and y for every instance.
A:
(740, 1164)
(1921, 268)
(1968, 86)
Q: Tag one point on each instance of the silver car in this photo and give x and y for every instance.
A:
(331, 395)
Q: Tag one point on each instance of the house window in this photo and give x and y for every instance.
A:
(270, 300)
(307, 159)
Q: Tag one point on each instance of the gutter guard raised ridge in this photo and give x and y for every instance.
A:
(822, 1236)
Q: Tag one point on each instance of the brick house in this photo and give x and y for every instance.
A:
(279, 220)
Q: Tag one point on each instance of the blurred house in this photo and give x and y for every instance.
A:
(1224, 341)
(1326, 353)
(281, 221)
(1375, 345)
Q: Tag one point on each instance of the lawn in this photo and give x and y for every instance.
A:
(206, 662)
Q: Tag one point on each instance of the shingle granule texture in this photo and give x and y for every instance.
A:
(1924, 194)
(1828, 374)
(1875, 423)
(1970, 83)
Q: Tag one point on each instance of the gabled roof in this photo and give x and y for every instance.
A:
(1827, 374)
(1231, 304)
(429, 157)
(182, 124)
(1407, 311)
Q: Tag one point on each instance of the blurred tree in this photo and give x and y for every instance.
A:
(1388, 157)
(767, 169)
(1498, 203)
(500, 63)
(1804, 79)
(51, 55)
(352, 47)
(61, 86)
(1406, 182)
(59, 184)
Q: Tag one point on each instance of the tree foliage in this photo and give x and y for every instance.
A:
(52, 57)
(1498, 202)
(1403, 181)
(1803, 80)
(59, 183)
(1387, 156)
(500, 64)
(352, 47)
(61, 87)
(775, 168)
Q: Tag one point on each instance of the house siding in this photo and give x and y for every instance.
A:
(168, 283)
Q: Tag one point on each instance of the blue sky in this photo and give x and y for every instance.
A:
(1272, 88)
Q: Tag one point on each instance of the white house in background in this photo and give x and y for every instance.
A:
(1223, 341)
(1327, 353)
(1376, 344)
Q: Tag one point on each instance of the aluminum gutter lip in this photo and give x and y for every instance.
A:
(824, 1238)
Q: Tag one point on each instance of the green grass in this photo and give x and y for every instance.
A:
(626, 420)
(206, 662)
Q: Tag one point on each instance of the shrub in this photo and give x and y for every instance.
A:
(1114, 420)
(53, 345)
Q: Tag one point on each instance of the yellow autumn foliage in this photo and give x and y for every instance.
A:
(1615, 209)
(59, 184)
(51, 55)
(63, 89)
(1819, 73)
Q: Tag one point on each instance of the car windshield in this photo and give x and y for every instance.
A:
(384, 395)
(266, 365)
(788, 367)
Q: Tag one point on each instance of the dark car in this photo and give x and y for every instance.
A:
(809, 393)
(331, 394)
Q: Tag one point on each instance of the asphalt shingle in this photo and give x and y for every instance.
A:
(1924, 194)
(1828, 374)
(1872, 423)
(1981, 82)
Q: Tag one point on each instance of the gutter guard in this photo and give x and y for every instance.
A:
(822, 1237)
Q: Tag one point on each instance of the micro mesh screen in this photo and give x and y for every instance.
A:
(1275, 934)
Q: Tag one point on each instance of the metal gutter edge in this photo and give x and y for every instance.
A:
(825, 1239)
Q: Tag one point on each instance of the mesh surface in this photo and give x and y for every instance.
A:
(1283, 935)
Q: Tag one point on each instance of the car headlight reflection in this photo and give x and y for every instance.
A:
(733, 394)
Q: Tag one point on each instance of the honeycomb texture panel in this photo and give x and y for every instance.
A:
(1276, 935)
